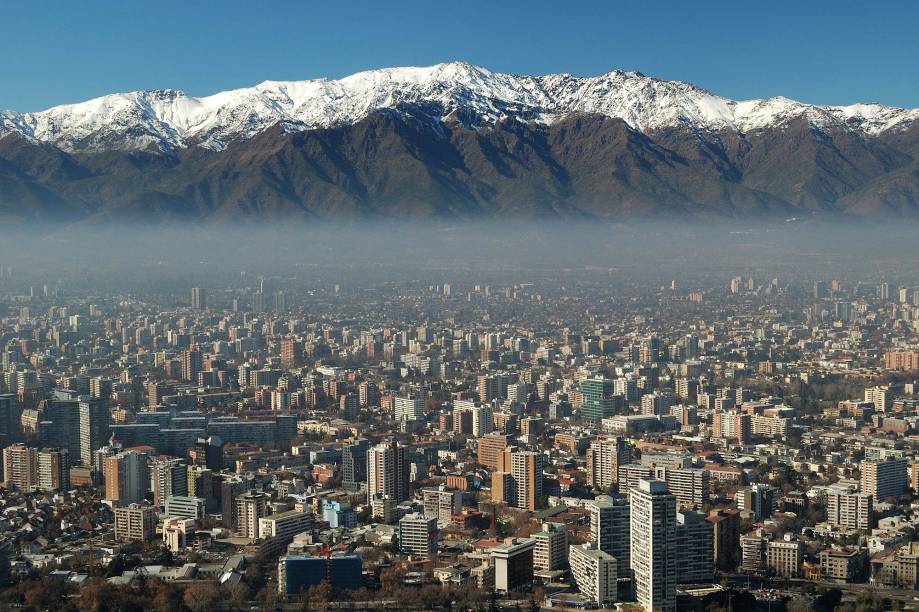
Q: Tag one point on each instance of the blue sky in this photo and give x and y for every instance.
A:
(55, 52)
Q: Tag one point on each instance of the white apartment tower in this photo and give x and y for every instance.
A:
(653, 545)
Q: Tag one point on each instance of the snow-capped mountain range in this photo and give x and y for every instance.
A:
(169, 120)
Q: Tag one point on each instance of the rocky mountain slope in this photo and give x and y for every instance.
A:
(457, 141)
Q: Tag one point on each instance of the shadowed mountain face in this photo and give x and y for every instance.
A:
(402, 163)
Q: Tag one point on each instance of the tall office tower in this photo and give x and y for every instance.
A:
(170, 477)
(694, 548)
(20, 466)
(726, 535)
(489, 387)
(489, 449)
(610, 528)
(54, 469)
(192, 364)
(885, 478)
(230, 489)
(126, 478)
(524, 471)
(354, 465)
(95, 418)
(884, 291)
(653, 545)
(604, 457)
(513, 563)
(595, 573)
(348, 406)
(418, 536)
(408, 409)
(551, 552)
(208, 452)
(597, 398)
(387, 472)
(250, 507)
(10, 419)
(198, 298)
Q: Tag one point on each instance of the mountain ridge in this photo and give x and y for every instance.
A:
(167, 119)
(456, 141)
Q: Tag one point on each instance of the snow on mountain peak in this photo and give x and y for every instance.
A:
(168, 119)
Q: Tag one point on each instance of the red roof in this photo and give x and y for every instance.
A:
(143, 448)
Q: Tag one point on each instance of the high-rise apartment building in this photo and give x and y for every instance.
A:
(53, 469)
(418, 536)
(594, 572)
(20, 466)
(489, 449)
(694, 548)
(784, 557)
(126, 478)
(689, 486)
(408, 409)
(653, 545)
(198, 298)
(192, 364)
(610, 528)
(230, 489)
(354, 465)
(726, 538)
(387, 472)
(901, 360)
(348, 407)
(291, 352)
(885, 478)
(518, 481)
(880, 396)
(489, 387)
(442, 504)
(170, 477)
(849, 510)
(184, 507)
(551, 550)
(95, 419)
(250, 507)
(285, 525)
(10, 419)
(604, 457)
(757, 500)
(135, 522)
